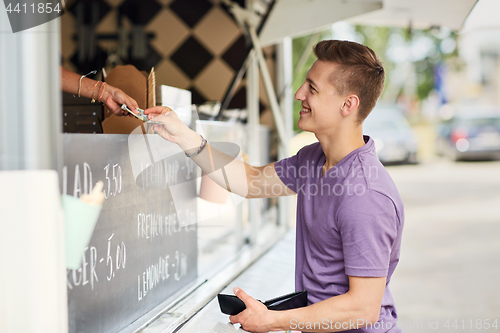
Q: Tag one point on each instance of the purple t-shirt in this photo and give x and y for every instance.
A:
(349, 222)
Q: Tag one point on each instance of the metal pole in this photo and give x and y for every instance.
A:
(307, 51)
(32, 267)
(255, 208)
(284, 83)
(30, 103)
(284, 76)
(268, 84)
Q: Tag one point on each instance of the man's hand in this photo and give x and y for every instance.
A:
(114, 98)
(157, 111)
(173, 128)
(256, 317)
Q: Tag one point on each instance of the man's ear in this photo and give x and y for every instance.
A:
(351, 104)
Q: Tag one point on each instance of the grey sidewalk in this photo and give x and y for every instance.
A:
(270, 276)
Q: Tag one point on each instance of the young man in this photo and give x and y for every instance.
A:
(349, 213)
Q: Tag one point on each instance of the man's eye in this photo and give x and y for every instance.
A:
(311, 88)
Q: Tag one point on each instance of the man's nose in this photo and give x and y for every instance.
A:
(299, 96)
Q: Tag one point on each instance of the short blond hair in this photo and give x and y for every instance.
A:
(360, 71)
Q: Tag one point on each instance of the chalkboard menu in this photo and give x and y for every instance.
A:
(144, 246)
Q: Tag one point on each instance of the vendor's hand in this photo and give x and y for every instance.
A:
(173, 128)
(255, 318)
(114, 98)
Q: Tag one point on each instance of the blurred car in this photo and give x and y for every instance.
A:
(395, 141)
(471, 134)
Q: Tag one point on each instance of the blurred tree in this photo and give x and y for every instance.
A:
(303, 59)
(415, 62)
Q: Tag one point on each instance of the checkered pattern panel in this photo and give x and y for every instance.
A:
(193, 44)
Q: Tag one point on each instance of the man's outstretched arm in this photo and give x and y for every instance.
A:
(236, 176)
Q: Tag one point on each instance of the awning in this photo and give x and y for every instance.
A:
(419, 14)
(484, 16)
(293, 18)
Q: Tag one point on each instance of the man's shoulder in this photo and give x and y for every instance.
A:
(370, 170)
(368, 204)
(371, 181)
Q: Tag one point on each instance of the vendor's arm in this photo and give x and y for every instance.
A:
(109, 95)
(356, 308)
(245, 180)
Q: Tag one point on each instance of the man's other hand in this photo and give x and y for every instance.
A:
(255, 318)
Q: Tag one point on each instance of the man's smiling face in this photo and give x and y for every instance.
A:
(320, 100)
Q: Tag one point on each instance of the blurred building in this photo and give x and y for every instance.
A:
(479, 47)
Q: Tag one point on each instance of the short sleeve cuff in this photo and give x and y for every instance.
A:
(366, 272)
(281, 168)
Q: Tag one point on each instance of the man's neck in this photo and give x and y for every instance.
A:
(338, 144)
